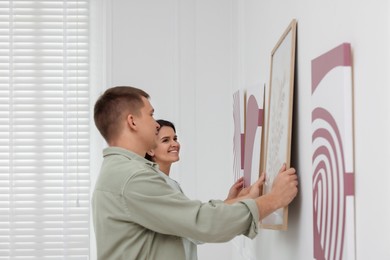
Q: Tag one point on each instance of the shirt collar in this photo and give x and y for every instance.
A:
(113, 150)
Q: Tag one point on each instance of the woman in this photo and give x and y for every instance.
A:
(166, 153)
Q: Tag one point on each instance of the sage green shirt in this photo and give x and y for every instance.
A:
(190, 245)
(137, 215)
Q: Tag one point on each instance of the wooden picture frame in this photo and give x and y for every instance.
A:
(277, 143)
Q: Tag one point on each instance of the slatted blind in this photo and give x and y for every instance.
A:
(44, 129)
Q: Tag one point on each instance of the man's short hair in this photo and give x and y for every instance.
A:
(113, 106)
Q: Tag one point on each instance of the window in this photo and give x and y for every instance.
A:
(44, 129)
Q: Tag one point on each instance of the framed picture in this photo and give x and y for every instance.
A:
(277, 145)
(248, 125)
(239, 133)
(254, 103)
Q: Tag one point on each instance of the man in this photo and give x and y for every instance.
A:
(137, 215)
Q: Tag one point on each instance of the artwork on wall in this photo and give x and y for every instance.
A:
(277, 144)
(248, 123)
(248, 116)
(238, 135)
(253, 133)
(332, 155)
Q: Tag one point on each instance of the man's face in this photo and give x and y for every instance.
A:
(148, 127)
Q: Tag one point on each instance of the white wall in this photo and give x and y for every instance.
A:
(322, 25)
(191, 55)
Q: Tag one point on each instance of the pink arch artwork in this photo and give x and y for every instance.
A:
(248, 122)
(332, 157)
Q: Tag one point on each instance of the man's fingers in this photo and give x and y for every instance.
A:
(283, 168)
(262, 177)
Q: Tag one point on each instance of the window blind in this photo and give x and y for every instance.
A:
(44, 129)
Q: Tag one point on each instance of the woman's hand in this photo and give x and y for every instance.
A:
(238, 193)
(236, 189)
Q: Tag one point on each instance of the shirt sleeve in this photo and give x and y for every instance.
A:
(152, 203)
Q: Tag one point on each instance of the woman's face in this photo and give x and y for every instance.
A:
(168, 147)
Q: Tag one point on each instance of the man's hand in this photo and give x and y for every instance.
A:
(284, 187)
(256, 188)
(284, 190)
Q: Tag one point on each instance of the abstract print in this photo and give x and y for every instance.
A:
(247, 141)
(332, 157)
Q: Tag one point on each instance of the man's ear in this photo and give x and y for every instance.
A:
(131, 121)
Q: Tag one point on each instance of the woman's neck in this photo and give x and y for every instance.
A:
(165, 168)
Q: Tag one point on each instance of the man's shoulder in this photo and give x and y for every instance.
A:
(117, 170)
(120, 160)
